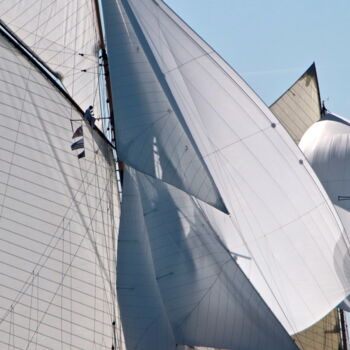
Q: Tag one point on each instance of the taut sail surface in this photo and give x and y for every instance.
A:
(177, 283)
(149, 122)
(57, 217)
(300, 106)
(64, 34)
(278, 208)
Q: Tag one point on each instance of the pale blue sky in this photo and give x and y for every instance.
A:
(271, 43)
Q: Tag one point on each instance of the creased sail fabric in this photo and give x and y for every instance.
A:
(58, 217)
(177, 283)
(300, 106)
(281, 221)
(64, 34)
(149, 122)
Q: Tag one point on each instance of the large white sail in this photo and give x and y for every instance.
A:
(278, 207)
(149, 122)
(64, 34)
(177, 283)
(300, 106)
(326, 146)
(58, 217)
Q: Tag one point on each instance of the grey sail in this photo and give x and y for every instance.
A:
(300, 106)
(177, 280)
(58, 216)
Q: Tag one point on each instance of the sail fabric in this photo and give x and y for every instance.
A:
(143, 316)
(149, 122)
(281, 222)
(58, 216)
(300, 106)
(326, 146)
(64, 34)
(177, 281)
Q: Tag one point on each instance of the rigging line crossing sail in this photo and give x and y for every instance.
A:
(279, 210)
(58, 217)
(300, 106)
(181, 286)
(148, 119)
(63, 34)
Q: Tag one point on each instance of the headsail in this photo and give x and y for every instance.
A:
(300, 106)
(149, 122)
(58, 217)
(278, 207)
(193, 292)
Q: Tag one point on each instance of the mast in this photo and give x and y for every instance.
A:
(105, 60)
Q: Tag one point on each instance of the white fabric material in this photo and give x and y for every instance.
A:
(58, 31)
(173, 270)
(327, 146)
(299, 107)
(143, 316)
(58, 217)
(149, 123)
(281, 218)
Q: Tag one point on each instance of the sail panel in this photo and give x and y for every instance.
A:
(274, 197)
(145, 322)
(64, 34)
(149, 124)
(300, 106)
(57, 217)
(208, 299)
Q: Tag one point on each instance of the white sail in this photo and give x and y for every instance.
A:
(144, 318)
(300, 106)
(149, 122)
(177, 281)
(326, 146)
(278, 207)
(58, 217)
(64, 34)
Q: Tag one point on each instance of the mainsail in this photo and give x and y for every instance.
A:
(300, 106)
(58, 217)
(278, 207)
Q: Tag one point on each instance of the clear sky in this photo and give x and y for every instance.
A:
(271, 43)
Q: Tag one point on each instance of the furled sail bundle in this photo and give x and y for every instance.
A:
(300, 106)
(174, 84)
(64, 34)
(176, 281)
(57, 216)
